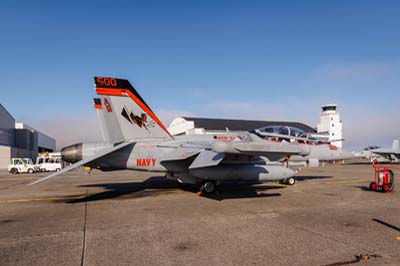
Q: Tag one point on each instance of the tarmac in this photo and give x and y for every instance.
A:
(329, 217)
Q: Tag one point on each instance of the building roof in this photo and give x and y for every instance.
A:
(242, 125)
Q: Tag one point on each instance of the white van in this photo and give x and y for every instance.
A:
(47, 164)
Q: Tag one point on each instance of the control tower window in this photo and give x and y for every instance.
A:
(329, 108)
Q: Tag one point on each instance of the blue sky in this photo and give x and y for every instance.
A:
(237, 59)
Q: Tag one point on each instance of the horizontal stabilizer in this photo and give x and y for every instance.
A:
(82, 162)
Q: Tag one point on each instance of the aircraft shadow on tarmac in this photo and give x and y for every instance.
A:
(156, 184)
(391, 226)
(303, 178)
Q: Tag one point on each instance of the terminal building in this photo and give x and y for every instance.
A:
(18, 140)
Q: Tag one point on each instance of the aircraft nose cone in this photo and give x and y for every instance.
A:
(72, 153)
(288, 172)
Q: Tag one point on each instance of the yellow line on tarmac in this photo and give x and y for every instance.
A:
(41, 199)
(398, 238)
(16, 179)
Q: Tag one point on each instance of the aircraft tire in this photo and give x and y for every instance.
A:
(291, 181)
(208, 187)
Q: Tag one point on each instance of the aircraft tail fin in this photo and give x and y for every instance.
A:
(109, 127)
(396, 145)
(125, 110)
(99, 111)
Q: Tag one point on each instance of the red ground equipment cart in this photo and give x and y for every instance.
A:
(384, 179)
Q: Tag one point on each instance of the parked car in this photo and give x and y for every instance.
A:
(21, 165)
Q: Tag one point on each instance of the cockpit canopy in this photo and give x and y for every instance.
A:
(371, 148)
(284, 130)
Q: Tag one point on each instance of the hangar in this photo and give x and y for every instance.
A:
(197, 125)
(329, 127)
(20, 140)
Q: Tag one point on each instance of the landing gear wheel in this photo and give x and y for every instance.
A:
(373, 186)
(208, 187)
(291, 181)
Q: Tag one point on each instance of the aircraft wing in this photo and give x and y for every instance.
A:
(261, 148)
(386, 152)
(82, 162)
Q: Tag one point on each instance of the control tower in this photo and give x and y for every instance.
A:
(330, 124)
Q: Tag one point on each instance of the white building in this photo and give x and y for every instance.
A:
(330, 125)
(20, 140)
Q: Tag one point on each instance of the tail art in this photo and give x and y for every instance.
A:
(126, 112)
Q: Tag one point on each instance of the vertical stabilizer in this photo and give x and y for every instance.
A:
(126, 111)
(109, 127)
(396, 145)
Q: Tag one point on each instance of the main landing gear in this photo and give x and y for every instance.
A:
(208, 187)
(288, 181)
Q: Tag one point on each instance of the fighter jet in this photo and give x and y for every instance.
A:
(378, 155)
(320, 151)
(136, 139)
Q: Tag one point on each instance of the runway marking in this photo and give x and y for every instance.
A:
(398, 238)
(42, 199)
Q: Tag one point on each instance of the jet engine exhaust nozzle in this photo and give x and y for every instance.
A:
(72, 153)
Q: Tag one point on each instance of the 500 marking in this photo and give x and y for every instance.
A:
(107, 82)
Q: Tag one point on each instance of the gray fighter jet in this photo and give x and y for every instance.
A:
(379, 155)
(320, 151)
(135, 138)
